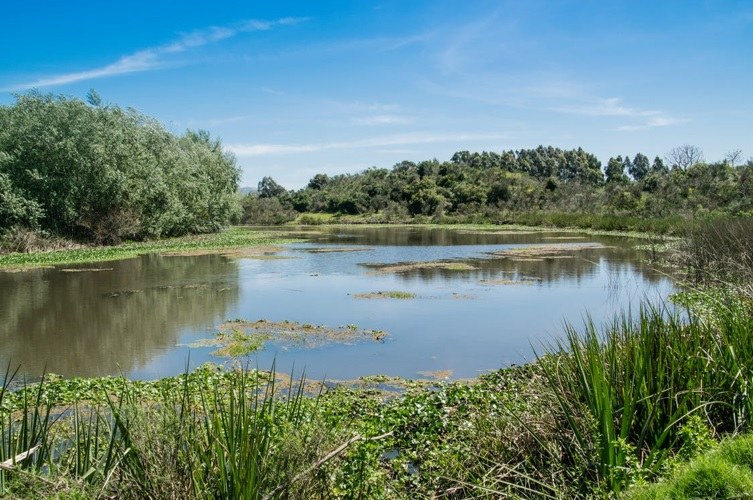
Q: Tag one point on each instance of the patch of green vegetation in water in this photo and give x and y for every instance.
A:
(403, 267)
(239, 337)
(233, 344)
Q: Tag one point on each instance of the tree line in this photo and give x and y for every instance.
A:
(100, 174)
(542, 179)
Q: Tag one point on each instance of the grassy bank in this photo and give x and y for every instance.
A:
(227, 239)
(236, 237)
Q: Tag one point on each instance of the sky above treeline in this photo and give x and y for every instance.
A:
(299, 88)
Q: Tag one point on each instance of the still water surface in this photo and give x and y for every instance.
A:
(139, 316)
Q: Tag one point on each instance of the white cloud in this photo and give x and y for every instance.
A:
(152, 58)
(373, 142)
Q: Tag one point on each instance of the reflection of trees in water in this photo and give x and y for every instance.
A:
(94, 323)
(580, 265)
(620, 257)
(418, 236)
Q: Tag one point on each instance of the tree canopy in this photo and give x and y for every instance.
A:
(545, 178)
(99, 173)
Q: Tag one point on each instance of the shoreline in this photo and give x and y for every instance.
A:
(253, 236)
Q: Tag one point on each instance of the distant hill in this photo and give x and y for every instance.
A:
(246, 190)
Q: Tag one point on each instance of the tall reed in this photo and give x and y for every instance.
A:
(625, 391)
(25, 431)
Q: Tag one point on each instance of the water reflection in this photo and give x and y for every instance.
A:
(133, 317)
(96, 323)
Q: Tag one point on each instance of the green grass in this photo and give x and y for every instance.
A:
(227, 239)
(725, 472)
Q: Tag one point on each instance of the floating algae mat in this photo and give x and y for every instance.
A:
(335, 249)
(257, 252)
(84, 269)
(504, 281)
(404, 267)
(554, 250)
(385, 295)
(437, 374)
(240, 337)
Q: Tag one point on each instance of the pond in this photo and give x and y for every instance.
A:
(443, 302)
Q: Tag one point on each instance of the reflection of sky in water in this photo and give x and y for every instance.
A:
(457, 322)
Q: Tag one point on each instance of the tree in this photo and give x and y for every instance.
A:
(15, 209)
(268, 188)
(658, 166)
(318, 181)
(577, 165)
(100, 173)
(627, 165)
(93, 98)
(640, 167)
(734, 157)
(684, 156)
(615, 171)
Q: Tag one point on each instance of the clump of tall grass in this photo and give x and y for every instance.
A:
(626, 390)
(720, 253)
(234, 437)
(25, 433)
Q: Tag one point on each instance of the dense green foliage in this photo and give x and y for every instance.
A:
(102, 174)
(510, 186)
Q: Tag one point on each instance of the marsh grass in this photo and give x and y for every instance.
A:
(235, 436)
(597, 222)
(719, 253)
(626, 390)
(232, 238)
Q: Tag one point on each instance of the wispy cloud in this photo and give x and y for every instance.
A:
(210, 122)
(556, 95)
(463, 45)
(154, 57)
(372, 142)
(370, 45)
(652, 122)
(613, 107)
(374, 120)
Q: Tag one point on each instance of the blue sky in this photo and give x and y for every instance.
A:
(297, 88)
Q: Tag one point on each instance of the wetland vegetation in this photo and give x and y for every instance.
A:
(136, 275)
(605, 410)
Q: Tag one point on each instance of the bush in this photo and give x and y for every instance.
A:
(101, 174)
